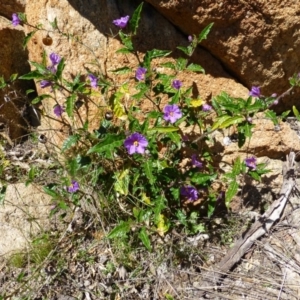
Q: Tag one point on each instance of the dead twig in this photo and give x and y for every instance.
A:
(258, 229)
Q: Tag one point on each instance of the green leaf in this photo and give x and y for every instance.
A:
(28, 38)
(231, 192)
(40, 98)
(134, 21)
(203, 35)
(13, 77)
(219, 121)
(50, 192)
(162, 129)
(123, 70)
(231, 121)
(185, 50)
(60, 68)
(54, 24)
(195, 68)
(145, 238)
(123, 51)
(296, 112)
(169, 65)
(153, 54)
(70, 104)
(126, 40)
(121, 184)
(41, 68)
(32, 75)
(254, 175)
(202, 179)
(272, 116)
(181, 63)
(237, 167)
(148, 169)
(109, 143)
(120, 230)
(69, 142)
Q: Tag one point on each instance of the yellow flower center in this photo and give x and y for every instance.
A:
(136, 143)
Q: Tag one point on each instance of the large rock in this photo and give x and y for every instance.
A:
(98, 41)
(257, 41)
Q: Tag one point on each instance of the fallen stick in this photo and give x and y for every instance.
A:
(258, 229)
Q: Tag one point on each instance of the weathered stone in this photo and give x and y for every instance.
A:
(25, 213)
(257, 41)
(93, 26)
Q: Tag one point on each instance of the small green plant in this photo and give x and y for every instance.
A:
(134, 158)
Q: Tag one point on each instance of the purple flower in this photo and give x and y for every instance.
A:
(122, 22)
(172, 113)
(189, 192)
(176, 84)
(74, 187)
(15, 19)
(190, 38)
(195, 162)
(58, 110)
(94, 80)
(249, 120)
(206, 107)
(55, 59)
(52, 69)
(46, 83)
(251, 162)
(274, 95)
(255, 92)
(136, 143)
(140, 73)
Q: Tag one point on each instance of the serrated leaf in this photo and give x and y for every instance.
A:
(109, 143)
(145, 238)
(148, 169)
(203, 35)
(134, 21)
(231, 192)
(120, 230)
(195, 68)
(70, 141)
